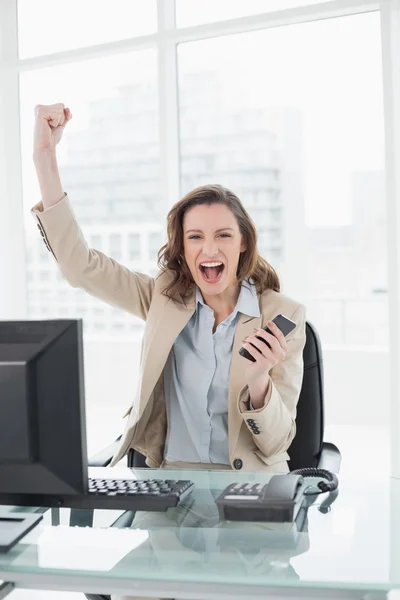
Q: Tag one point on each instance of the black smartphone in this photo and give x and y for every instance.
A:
(282, 322)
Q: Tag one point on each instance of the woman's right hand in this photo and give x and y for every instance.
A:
(50, 122)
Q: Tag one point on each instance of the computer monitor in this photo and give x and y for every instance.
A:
(42, 410)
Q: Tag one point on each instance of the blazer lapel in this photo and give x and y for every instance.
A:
(163, 334)
(237, 380)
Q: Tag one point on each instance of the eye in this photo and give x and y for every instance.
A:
(194, 237)
(226, 235)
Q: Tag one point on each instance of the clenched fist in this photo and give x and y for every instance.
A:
(49, 126)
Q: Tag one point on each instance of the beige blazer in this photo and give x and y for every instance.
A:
(258, 439)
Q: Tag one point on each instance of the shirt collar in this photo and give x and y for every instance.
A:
(248, 300)
(247, 303)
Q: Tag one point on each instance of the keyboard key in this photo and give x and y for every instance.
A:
(151, 494)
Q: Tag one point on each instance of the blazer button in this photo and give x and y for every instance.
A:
(238, 464)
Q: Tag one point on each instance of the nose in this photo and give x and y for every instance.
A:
(210, 248)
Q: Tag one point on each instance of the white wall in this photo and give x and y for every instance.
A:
(357, 387)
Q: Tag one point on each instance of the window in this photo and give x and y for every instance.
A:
(193, 12)
(44, 276)
(99, 94)
(95, 241)
(287, 117)
(106, 97)
(156, 241)
(115, 246)
(284, 127)
(134, 245)
(297, 153)
(92, 22)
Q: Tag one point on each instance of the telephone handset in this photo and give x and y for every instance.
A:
(277, 501)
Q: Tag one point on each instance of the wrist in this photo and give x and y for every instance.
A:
(258, 391)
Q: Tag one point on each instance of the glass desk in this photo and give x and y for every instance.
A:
(351, 551)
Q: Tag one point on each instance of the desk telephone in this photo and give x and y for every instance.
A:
(278, 501)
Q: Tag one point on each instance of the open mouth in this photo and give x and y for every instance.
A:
(212, 271)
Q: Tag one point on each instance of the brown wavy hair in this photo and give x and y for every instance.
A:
(171, 256)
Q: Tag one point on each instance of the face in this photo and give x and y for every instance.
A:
(212, 247)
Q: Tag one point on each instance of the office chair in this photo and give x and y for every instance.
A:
(308, 448)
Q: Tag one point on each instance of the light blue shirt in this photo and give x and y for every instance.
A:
(196, 378)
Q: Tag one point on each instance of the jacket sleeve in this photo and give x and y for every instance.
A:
(274, 425)
(89, 269)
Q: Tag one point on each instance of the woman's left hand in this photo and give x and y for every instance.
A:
(257, 373)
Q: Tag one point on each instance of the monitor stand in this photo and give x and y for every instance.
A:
(13, 527)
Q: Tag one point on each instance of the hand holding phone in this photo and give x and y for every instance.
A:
(284, 324)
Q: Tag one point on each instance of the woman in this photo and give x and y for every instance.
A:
(200, 404)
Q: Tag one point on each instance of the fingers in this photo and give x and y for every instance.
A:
(55, 114)
(277, 335)
(56, 118)
(251, 350)
(275, 352)
(257, 347)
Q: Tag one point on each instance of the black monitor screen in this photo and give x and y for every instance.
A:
(42, 408)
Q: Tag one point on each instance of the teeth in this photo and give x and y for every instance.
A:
(211, 264)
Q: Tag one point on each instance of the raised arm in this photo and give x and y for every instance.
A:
(81, 266)
(50, 122)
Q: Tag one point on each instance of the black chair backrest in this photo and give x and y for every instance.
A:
(306, 447)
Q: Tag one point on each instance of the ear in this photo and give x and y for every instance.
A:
(243, 247)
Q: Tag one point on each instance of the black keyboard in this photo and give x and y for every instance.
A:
(143, 494)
